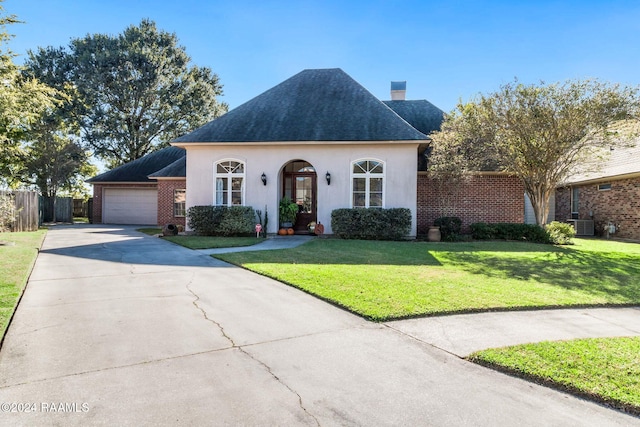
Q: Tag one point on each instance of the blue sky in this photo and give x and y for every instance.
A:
(446, 50)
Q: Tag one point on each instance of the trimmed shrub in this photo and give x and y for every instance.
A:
(371, 223)
(509, 231)
(205, 220)
(482, 231)
(560, 233)
(450, 227)
(221, 220)
(237, 221)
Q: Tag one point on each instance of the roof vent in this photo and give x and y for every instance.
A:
(398, 91)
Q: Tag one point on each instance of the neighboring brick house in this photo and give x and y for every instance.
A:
(319, 138)
(608, 196)
(484, 197)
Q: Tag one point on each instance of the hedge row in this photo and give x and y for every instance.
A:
(557, 233)
(222, 220)
(371, 223)
(509, 231)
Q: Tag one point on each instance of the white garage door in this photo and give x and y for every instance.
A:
(130, 206)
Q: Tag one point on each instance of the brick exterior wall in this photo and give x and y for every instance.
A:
(97, 196)
(482, 198)
(165, 201)
(620, 205)
(563, 204)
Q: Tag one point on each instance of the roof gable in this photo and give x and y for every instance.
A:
(313, 105)
(140, 169)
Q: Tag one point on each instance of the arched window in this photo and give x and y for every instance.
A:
(229, 183)
(367, 183)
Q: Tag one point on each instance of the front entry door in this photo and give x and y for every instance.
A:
(300, 186)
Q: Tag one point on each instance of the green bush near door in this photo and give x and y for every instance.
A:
(222, 220)
(371, 223)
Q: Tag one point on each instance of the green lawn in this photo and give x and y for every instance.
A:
(604, 369)
(207, 242)
(17, 260)
(204, 242)
(391, 280)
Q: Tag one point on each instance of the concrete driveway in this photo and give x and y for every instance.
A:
(117, 328)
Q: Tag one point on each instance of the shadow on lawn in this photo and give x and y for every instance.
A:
(613, 275)
(603, 273)
(340, 252)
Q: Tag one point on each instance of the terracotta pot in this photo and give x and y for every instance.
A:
(282, 232)
(290, 231)
(434, 234)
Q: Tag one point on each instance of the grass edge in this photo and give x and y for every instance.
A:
(23, 289)
(610, 403)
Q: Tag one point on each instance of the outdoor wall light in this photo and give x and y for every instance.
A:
(264, 179)
(328, 176)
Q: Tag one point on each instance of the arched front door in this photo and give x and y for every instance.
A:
(299, 184)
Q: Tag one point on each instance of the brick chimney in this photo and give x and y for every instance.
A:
(398, 91)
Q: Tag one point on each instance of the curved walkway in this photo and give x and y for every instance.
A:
(116, 328)
(464, 334)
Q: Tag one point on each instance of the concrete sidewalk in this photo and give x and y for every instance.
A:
(465, 333)
(117, 328)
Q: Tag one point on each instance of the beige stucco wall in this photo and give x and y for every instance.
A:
(400, 180)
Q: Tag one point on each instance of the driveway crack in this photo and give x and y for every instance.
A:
(242, 350)
(206, 316)
(268, 368)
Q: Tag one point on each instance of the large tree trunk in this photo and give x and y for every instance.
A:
(539, 196)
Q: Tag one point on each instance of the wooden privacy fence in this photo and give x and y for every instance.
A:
(80, 208)
(27, 209)
(59, 209)
(64, 209)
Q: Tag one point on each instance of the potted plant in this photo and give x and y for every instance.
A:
(288, 212)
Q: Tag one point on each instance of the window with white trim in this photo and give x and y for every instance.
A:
(575, 202)
(367, 183)
(229, 183)
(179, 202)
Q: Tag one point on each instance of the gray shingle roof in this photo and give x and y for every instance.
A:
(421, 114)
(313, 105)
(140, 169)
(177, 169)
(620, 161)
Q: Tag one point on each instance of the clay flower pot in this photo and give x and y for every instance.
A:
(434, 234)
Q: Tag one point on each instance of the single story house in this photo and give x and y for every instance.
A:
(319, 138)
(608, 197)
